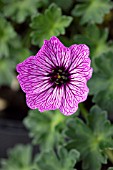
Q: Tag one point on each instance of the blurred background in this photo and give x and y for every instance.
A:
(24, 24)
(16, 44)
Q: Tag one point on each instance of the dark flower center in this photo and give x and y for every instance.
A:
(59, 76)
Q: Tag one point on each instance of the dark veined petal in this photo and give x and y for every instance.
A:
(32, 77)
(80, 61)
(56, 77)
(68, 104)
(47, 100)
(75, 92)
(54, 53)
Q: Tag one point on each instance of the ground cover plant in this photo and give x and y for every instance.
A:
(60, 53)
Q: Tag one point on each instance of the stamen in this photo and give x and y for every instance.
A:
(59, 76)
(60, 70)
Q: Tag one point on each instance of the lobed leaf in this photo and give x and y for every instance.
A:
(46, 128)
(92, 11)
(64, 4)
(101, 83)
(19, 158)
(20, 10)
(98, 42)
(7, 35)
(51, 23)
(90, 138)
(64, 160)
(7, 74)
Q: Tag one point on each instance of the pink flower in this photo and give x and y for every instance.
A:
(56, 77)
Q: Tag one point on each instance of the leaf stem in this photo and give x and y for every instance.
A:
(109, 153)
(83, 111)
(26, 39)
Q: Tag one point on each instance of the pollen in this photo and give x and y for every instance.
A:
(58, 76)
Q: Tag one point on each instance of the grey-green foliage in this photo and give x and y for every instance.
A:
(63, 4)
(7, 74)
(19, 158)
(91, 138)
(63, 160)
(101, 83)
(46, 127)
(92, 11)
(51, 23)
(96, 39)
(19, 10)
(7, 35)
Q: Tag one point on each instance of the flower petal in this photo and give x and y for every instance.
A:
(75, 92)
(32, 78)
(35, 77)
(47, 100)
(80, 61)
(53, 52)
(68, 104)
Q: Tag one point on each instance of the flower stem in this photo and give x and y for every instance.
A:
(109, 153)
(83, 111)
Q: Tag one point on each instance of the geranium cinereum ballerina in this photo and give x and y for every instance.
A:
(56, 77)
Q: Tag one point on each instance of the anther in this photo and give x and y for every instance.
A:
(58, 76)
(65, 78)
(60, 70)
(56, 82)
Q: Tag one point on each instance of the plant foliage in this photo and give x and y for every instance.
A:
(91, 139)
(52, 22)
(20, 158)
(92, 11)
(101, 84)
(20, 10)
(7, 35)
(64, 160)
(45, 128)
(65, 143)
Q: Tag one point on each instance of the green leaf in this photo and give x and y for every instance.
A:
(7, 74)
(64, 4)
(21, 54)
(92, 11)
(98, 42)
(46, 128)
(20, 10)
(64, 160)
(90, 138)
(111, 168)
(7, 36)
(51, 23)
(101, 83)
(19, 158)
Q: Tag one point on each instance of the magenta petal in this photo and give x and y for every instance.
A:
(32, 78)
(80, 60)
(54, 53)
(75, 92)
(69, 104)
(47, 100)
(56, 77)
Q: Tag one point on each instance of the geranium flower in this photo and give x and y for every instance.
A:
(56, 77)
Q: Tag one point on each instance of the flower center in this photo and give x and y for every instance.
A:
(59, 76)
